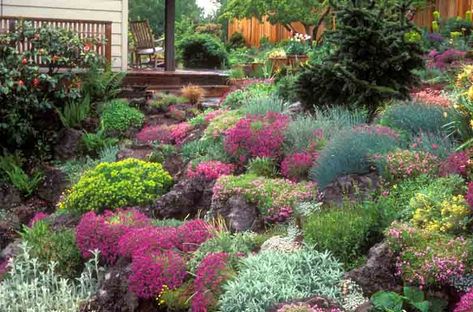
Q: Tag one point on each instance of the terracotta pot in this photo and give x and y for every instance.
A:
(247, 69)
(296, 60)
(256, 66)
(279, 62)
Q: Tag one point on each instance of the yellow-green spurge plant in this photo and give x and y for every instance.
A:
(129, 182)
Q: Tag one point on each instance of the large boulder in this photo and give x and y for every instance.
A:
(239, 214)
(352, 187)
(69, 144)
(378, 273)
(187, 198)
(113, 294)
(316, 302)
(53, 185)
(9, 196)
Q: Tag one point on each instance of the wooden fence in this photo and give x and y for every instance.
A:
(99, 30)
(253, 29)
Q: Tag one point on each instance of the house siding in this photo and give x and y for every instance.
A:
(115, 11)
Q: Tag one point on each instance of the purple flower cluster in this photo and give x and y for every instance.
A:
(210, 275)
(192, 234)
(466, 303)
(147, 239)
(456, 163)
(295, 167)
(210, 170)
(280, 215)
(256, 136)
(469, 195)
(38, 216)
(442, 60)
(150, 272)
(149, 134)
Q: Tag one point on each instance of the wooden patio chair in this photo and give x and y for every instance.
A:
(145, 44)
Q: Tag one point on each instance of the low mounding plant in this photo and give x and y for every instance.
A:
(103, 232)
(469, 195)
(212, 272)
(349, 152)
(427, 258)
(295, 167)
(256, 136)
(271, 277)
(117, 117)
(261, 105)
(48, 245)
(202, 51)
(466, 303)
(195, 94)
(210, 170)
(31, 285)
(270, 195)
(302, 135)
(456, 163)
(147, 239)
(152, 272)
(346, 232)
(192, 234)
(126, 183)
(263, 166)
(413, 118)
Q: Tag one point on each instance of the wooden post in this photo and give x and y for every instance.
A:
(108, 44)
(170, 57)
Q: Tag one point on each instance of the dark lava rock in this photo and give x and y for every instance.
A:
(313, 302)
(69, 144)
(8, 232)
(113, 294)
(9, 196)
(53, 185)
(351, 187)
(64, 220)
(187, 198)
(239, 214)
(378, 272)
(138, 153)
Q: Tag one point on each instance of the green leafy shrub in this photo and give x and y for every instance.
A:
(117, 117)
(204, 149)
(162, 101)
(221, 123)
(74, 113)
(372, 61)
(388, 301)
(263, 167)
(202, 51)
(16, 176)
(238, 98)
(102, 85)
(346, 232)
(236, 40)
(272, 277)
(349, 153)
(30, 95)
(92, 143)
(33, 286)
(48, 245)
(235, 99)
(286, 88)
(413, 118)
(126, 183)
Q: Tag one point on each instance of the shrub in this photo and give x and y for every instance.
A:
(202, 51)
(147, 239)
(205, 149)
(150, 272)
(263, 167)
(162, 101)
(210, 28)
(211, 273)
(126, 183)
(14, 174)
(346, 232)
(150, 134)
(192, 234)
(432, 97)
(437, 144)
(93, 143)
(427, 258)
(457, 163)
(48, 245)
(221, 123)
(34, 286)
(270, 195)
(97, 232)
(256, 136)
(295, 167)
(210, 170)
(413, 118)
(272, 277)
(372, 61)
(235, 99)
(31, 97)
(236, 40)
(349, 153)
(469, 195)
(261, 105)
(287, 88)
(466, 303)
(405, 164)
(195, 94)
(118, 116)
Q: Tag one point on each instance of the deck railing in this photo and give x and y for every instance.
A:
(99, 30)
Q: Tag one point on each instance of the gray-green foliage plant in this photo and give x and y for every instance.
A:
(271, 277)
(33, 287)
(349, 153)
(261, 105)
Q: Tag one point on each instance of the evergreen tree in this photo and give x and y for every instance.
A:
(375, 51)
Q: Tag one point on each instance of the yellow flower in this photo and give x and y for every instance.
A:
(471, 123)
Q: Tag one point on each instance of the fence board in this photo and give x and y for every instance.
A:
(253, 29)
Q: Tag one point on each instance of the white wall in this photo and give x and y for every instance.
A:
(115, 11)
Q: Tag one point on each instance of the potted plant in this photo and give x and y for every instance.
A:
(297, 49)
(278, 59)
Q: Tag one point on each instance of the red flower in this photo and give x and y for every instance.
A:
(21, 83)
(36, 82)
(24, 61)
(87, 47)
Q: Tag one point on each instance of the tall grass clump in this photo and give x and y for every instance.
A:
(349, 153)
(264, 104)
(31, 286)
(412, 118)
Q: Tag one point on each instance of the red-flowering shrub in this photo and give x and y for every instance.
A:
(295, 167)
(103, 232)
(210, 170)
(149, 134)
(180, 131)
(466, 303)
(210, 275)
(456, 163)
(469, 195)
(210, 116)
(432, 97)
(405, 164)
(151, 271)
(192, 234)
(147, 239)
(256, 136)
(37, 217)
